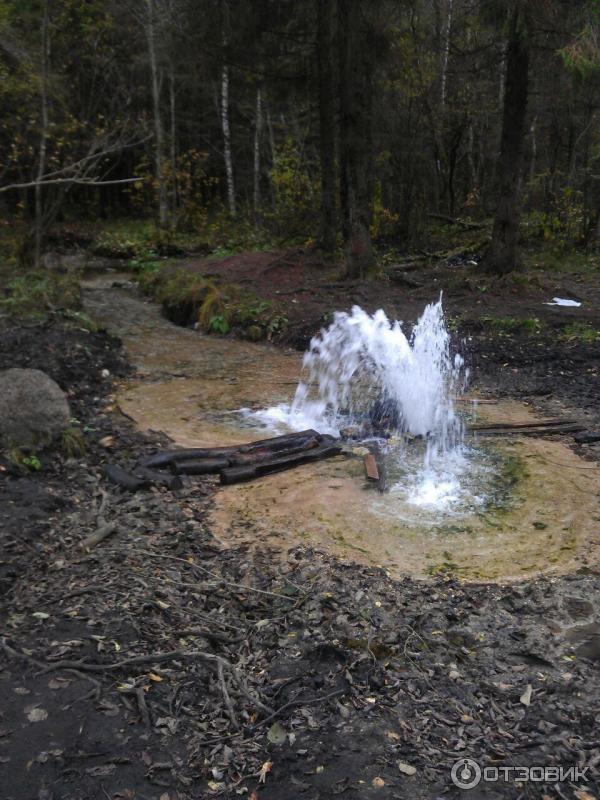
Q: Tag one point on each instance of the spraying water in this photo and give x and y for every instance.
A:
(363, 370)
(364, 366)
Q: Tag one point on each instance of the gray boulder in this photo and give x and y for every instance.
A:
(33, 409)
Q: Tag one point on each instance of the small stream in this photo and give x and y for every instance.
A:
(533, 505)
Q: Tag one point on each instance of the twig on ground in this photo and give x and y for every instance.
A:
(226, 697)
(238, 586)
(141, 701)
(157, 658)
(103, 532)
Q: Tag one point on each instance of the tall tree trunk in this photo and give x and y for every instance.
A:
(325, 59)
(502, 256)
(258, 123)
(39, 206)
(446, 54)
(173, 142)
(356, 50)
(227, 139)
(159, 139)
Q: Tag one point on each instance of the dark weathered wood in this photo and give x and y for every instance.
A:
(166, 479)
(201, 466)
(378, 455)
(273, 444)
(264, 454)
(247, 473)
(280, 442)
(542, 423)
(170, 457)
(371, 467)
(124, 479)
(588, 437)
(534, 430)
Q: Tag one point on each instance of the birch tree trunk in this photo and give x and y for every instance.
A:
(39, 206)
(258, 122)
(446, 54)
(159, 144)
(227, 139)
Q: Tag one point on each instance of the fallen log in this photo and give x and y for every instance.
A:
(206, 466)
(539, 430)
(233, 475)
(201, 466)
(542, 423)
(588, 437)
(264, 454)
(166, 479)
(275, 443)
(124, 479)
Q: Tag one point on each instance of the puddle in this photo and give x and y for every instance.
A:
(540, 513)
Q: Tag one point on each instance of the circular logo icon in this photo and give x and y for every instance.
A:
(466, 773)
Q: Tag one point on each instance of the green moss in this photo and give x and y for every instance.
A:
(505, 326)
(216, 307)
(73, 443)
(23, 462)
(512, 473)
(580, 332)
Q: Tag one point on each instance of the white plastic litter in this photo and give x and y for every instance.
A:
(560, 301)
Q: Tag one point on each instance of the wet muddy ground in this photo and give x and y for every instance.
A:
(189, 386)
(343, 680)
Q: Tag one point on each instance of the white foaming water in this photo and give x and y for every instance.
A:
(363, 362)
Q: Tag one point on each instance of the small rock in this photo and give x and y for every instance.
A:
(406, 769)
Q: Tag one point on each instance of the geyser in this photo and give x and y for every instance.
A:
(363, 367)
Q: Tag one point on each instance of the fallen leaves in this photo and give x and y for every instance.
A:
(36, 714)
(526, 696)
(406, 769)
(276, 734)
(264, 771)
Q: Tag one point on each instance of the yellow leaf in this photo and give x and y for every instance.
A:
(264, 771)
(154, 677)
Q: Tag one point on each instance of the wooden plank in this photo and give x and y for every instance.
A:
(371, 467)
(540, 430)
(542, 423)
(233, 475)
(201, 466)
(274, 443)
(588, 437)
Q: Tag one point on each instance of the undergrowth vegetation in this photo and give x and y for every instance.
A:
(35, 295)
(189, 298)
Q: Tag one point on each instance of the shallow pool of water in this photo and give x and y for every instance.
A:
(519, 507)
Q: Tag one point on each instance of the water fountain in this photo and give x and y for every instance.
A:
(364, 377)
(494, 510)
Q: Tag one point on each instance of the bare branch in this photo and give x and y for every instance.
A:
(80, 181)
